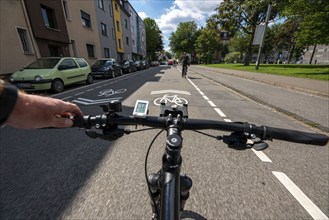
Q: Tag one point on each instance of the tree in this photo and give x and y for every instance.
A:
(239, 43)
(154, 43)
(183, 39)
(314, 21)
(245, 15)
(207, 43)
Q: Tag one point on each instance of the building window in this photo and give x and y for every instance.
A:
(132, 29)
(66, 10)
(100, 4)
(104, 29)
(25, 40)
(85, 18)
(48, 17)
(118, 26)
(133, 42)
(90, 50)
(126, 23)
(127, 40)
(110, 9)
(116, 6)
(113, 35)
(106, 52)
(120, 46)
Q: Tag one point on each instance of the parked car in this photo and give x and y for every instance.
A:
(106, 68)
(170, 62)
(146, 64)
(129, 66)
(139, 65)
(154, 63)
(52, 73)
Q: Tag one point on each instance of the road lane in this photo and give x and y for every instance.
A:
(83, 178)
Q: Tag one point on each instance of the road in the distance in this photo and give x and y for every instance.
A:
(61, 173)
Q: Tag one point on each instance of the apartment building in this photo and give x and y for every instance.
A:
(105, 17)
(90, 29)
(17, 44)
(82, 26)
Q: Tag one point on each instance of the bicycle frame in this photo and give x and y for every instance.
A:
(172, 188)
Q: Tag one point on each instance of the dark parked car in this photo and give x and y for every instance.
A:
(105, 68)
(146, 64)
(129, 66)
(139, 65)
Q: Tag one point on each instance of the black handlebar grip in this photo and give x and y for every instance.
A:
(79, 121)
(296, 136)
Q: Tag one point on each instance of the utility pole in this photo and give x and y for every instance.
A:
(263, 38)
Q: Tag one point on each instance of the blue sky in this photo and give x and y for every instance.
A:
(169, 13)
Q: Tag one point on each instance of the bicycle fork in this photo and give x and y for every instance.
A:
(154, 181)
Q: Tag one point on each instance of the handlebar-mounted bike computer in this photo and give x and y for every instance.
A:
(141, 109)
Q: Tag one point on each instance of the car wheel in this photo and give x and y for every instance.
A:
(57, 86)
(90, 79)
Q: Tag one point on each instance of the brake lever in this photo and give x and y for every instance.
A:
(108, 135)
(242, 141)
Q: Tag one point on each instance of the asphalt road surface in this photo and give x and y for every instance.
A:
(63, 174)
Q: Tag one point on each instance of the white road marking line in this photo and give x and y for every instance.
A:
(227, 120)
(211, 103)
(201, 93)
(99, 87)
(170, 91)
(67, 98)
(90, 90)
(308, 205)
(220, 112)
(205, 97)
(80, 93)
(261, 156)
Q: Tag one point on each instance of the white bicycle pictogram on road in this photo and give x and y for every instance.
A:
(170, 98)
(110, 92)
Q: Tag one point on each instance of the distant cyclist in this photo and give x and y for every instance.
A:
(185, 61)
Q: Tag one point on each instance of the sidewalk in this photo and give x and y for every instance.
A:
(316, 87)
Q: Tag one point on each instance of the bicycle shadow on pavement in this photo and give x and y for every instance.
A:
(186, 214)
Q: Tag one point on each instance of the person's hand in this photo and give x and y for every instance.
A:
(32, 111)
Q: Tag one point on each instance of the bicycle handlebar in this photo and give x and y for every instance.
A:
(107, 121)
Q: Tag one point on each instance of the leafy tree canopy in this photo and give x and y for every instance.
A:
(154, 41)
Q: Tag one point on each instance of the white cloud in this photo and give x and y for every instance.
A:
(182, 11)
(142, 15)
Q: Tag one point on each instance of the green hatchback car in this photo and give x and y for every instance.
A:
(52, 73)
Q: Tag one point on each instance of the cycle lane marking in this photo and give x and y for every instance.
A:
(298, 194)
(260, 154)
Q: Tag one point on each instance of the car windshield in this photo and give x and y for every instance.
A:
(43, 64)
(102, 62)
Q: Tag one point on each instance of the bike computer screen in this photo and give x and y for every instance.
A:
(141, 108)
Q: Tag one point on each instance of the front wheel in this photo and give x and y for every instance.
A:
(57, 86)
(90, 79)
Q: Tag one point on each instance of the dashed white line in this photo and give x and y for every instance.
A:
(227, 120)
(80, 93)
(211, 103)
(307, 204)
(205, 97)
(261, 156)
(220, 112)
(90, 90)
